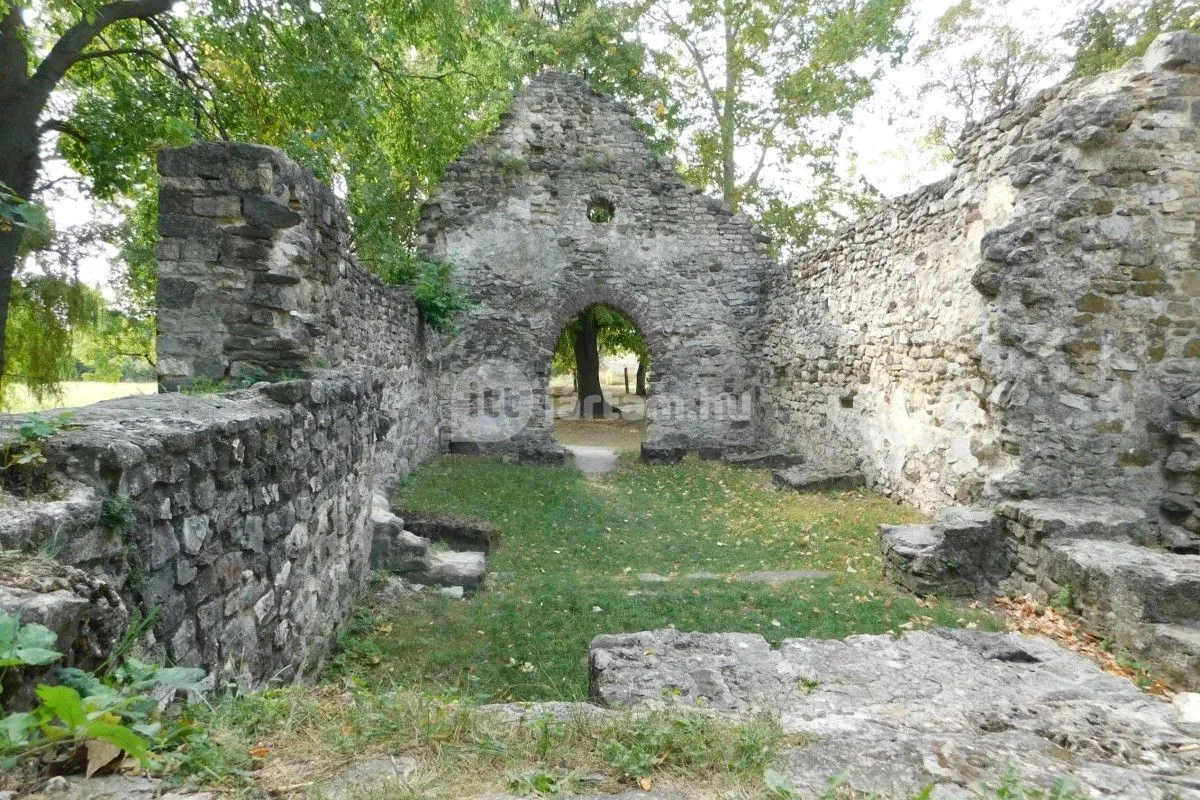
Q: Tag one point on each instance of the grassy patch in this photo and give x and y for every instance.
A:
(459, 749)
(570, 558)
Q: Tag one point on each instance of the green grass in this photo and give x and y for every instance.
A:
(73, 395)
(571, 552)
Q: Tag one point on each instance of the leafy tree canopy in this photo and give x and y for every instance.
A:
(1108, 34)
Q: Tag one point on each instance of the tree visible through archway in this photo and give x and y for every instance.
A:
(597, 331)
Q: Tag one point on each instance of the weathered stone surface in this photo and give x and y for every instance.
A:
(961, 553)
(948, 707)
(454, 568)
(1078, 518)
(512, 216)
(819, 477)
(542, 455)
(530, 713)
(453, 530)
(763, 460)
(115, 787)
(86, 613)
(1125, 581)
(394, 549)
(1021, 327)
(374, 777)
(654, 453)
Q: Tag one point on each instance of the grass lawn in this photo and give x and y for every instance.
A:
(568, 567)
(75, 394)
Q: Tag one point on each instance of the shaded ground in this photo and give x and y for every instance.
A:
(623, 436)
(573, 549)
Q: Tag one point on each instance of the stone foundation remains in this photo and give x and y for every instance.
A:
(1025, 329)
(249, 523)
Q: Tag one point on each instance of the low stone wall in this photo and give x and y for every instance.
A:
(1020, 328)
(249, 534)
(248, 524)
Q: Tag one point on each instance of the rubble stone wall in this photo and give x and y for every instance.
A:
(257, 276)
(1023, 327)
(512, 217)
(248, 526)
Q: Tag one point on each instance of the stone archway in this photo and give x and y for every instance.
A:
(518, 217)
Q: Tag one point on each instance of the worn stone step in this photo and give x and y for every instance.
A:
(961, 553)
(456, 532)
(1174, 651)
(394, 549)
(763, 460)
(454, 568)
(1075, 518)
(819, 477)
(1125, 582)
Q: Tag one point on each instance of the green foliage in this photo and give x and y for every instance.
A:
(615, 333)
(573, 548)
(118, 708)
(30, 644)
(1062, 598)
(116, 513)
(777, 80)
(18, 212)
(1106, 35)
(541, 782)
(674, 741)
(21, 461)
(437, 297)
(512, 166)
(979, 63)
(44, 313)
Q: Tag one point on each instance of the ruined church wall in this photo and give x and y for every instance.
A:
(258, 276)
(511, 217)
(1022, 327)
(249, 533)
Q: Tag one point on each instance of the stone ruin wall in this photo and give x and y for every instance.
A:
(251, 511)
(511, 217)
(1025, 327)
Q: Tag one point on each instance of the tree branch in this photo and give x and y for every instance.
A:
(62, 126)
(69, 49)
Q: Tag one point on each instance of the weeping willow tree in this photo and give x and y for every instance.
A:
(45, 314)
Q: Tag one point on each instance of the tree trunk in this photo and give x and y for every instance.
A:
(23, 97)
(19, 158)
(589, 392)
(640, 391)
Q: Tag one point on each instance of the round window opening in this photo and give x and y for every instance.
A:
(600, 209)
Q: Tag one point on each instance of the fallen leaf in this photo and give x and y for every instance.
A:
(100, 755)
(645, 783)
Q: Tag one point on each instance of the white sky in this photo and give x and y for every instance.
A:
(881, 143)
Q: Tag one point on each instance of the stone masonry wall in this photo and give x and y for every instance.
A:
(249, 535)
(511, 216)
(250, 528)
(1022, 327)
(257, 275)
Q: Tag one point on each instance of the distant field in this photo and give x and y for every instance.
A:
(75, 394)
